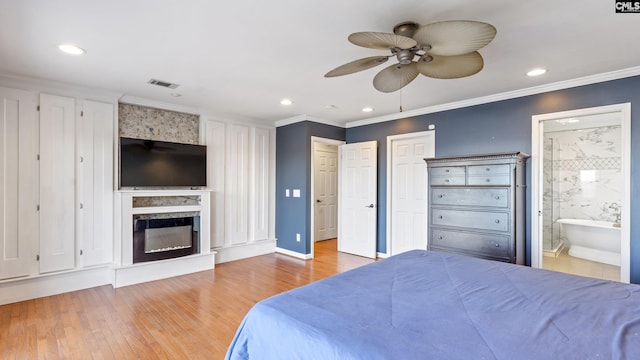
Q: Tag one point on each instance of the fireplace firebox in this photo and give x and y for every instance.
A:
(165, 238)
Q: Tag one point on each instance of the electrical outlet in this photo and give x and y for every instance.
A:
(297, 237)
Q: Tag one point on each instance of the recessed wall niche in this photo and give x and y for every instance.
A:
(143, 122)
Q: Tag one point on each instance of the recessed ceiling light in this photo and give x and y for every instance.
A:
(286, 102)
(367, 109)
(330, 107)
(536, 72)
(71, 49)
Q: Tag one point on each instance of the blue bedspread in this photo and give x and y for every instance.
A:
(431, 305)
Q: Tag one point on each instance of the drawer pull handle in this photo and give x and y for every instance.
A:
(446, 180)
(440, 238)
(497, 245)
(447, 170)
(440, 217)
(497, 221)
(488, 180)
(497, 197)
(488, 169)
(440, 196)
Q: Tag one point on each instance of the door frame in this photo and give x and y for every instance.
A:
(537, 182)
(316, 139)
(427, 135)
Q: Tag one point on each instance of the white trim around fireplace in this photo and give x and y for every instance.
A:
(128, 273)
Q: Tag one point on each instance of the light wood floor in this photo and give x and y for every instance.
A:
(188, 317)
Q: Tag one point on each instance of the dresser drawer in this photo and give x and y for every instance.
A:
(489, 170)
(447, 171)
(448, 175)
(489, 174)
(480, 244)
(470, 197)
(484, 220)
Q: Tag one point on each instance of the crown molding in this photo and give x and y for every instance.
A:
(134, 100)
(56, 87)
(305, 117)
(587, 80)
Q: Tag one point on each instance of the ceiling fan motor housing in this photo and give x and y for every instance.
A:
(405, 56)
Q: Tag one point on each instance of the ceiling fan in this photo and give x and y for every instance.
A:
(444, 50)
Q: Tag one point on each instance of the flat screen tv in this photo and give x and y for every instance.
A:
(151, 163)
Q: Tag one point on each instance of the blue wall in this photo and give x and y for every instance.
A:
(506, 126)
(488, 128)
(293, 171)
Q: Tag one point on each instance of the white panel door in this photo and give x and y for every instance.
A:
(96, 183)
(409, 191)
(325, 184)
(357, 192)
(57, 183)
(237, 205)
(261, 155)
(18, 189)
(216, 169)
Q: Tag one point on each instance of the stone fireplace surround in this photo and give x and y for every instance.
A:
(132, 204)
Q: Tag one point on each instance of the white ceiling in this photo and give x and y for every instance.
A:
(238, 59)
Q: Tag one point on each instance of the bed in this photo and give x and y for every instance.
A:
(433, 305)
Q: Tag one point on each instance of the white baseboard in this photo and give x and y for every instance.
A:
(162, 269)
(382, 255)
(294, 254)
(52, 284)
(232, 253)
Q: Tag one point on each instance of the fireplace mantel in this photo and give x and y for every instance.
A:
(126, 272)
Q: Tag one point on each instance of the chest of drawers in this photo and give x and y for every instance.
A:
(477, 205)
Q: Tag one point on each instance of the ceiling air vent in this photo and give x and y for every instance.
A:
(163, 83)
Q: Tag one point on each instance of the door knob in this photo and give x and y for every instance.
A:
(370, 206)
(318, 201)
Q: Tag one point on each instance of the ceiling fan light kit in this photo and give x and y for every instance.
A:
(444, 50)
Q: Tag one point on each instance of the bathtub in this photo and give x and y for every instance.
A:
(592, 240)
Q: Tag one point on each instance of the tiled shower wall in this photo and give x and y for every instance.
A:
(585, 175)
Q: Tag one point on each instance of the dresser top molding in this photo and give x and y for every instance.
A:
(517, 155)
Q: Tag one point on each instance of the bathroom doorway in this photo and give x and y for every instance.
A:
(580, 194)
(325, 164)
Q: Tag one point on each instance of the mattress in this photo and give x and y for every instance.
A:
(432, 305)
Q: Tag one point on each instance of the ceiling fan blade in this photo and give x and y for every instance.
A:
(451, 67)
(395, 77)
(381, 41)
(358, 65)
(456, 37)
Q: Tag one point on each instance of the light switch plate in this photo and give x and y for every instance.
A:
(296, 192)
(286, 193)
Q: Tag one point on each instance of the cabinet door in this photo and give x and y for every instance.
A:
(57, 183)
(216, 150)
(96, 183)
(237, 189)
(260, 184)
(18, 182)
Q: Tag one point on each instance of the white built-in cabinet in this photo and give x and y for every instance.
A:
(18, 182)
(95, 183)
(56, 183)
(241, 163)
